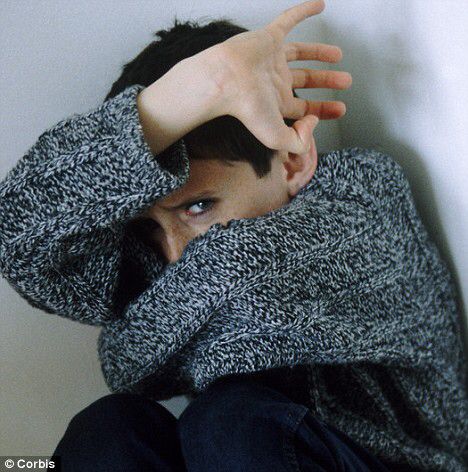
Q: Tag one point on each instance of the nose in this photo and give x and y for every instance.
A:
(172, 246)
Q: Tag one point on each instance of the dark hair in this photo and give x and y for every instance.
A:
(224, 137)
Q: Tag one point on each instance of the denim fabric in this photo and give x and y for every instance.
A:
(121, 432)
(236, 425)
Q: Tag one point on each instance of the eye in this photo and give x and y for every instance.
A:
(206, 206)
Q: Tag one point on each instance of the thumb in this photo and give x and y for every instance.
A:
(295, 139)
(303, 130)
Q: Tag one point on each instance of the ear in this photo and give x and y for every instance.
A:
(299, 168)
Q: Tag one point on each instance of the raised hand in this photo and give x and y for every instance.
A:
(256, 85)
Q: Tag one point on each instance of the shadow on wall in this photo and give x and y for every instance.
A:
(397, 71)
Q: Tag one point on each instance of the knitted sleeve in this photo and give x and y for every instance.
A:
(65, 205)
(368, 284)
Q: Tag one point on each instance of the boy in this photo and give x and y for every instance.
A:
(301, 308)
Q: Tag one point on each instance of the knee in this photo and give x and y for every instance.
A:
(118, 409)
(109, 420)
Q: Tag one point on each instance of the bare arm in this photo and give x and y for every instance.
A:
(181, 100)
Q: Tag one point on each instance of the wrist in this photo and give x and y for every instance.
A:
(179, 101)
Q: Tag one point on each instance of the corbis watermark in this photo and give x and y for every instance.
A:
(29, 463)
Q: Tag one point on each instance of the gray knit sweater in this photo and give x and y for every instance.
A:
(339, 298)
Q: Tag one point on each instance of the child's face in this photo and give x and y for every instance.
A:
(217, 192)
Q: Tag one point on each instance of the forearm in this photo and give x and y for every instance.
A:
(180, 101)
(65, 204)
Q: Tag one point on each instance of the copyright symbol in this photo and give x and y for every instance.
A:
(9, 463)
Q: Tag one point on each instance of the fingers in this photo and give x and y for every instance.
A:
(325, 110)
(287, 20)
(301, 51)
(309, 78)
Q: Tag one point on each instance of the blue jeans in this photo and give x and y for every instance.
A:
(234, 425)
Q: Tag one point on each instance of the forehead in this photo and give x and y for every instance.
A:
(211, 175)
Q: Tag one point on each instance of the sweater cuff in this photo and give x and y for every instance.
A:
(158, 174)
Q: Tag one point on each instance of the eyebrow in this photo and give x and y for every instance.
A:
(193, 199)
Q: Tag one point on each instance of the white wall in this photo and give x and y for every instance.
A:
(409, 99)
(61, 57)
